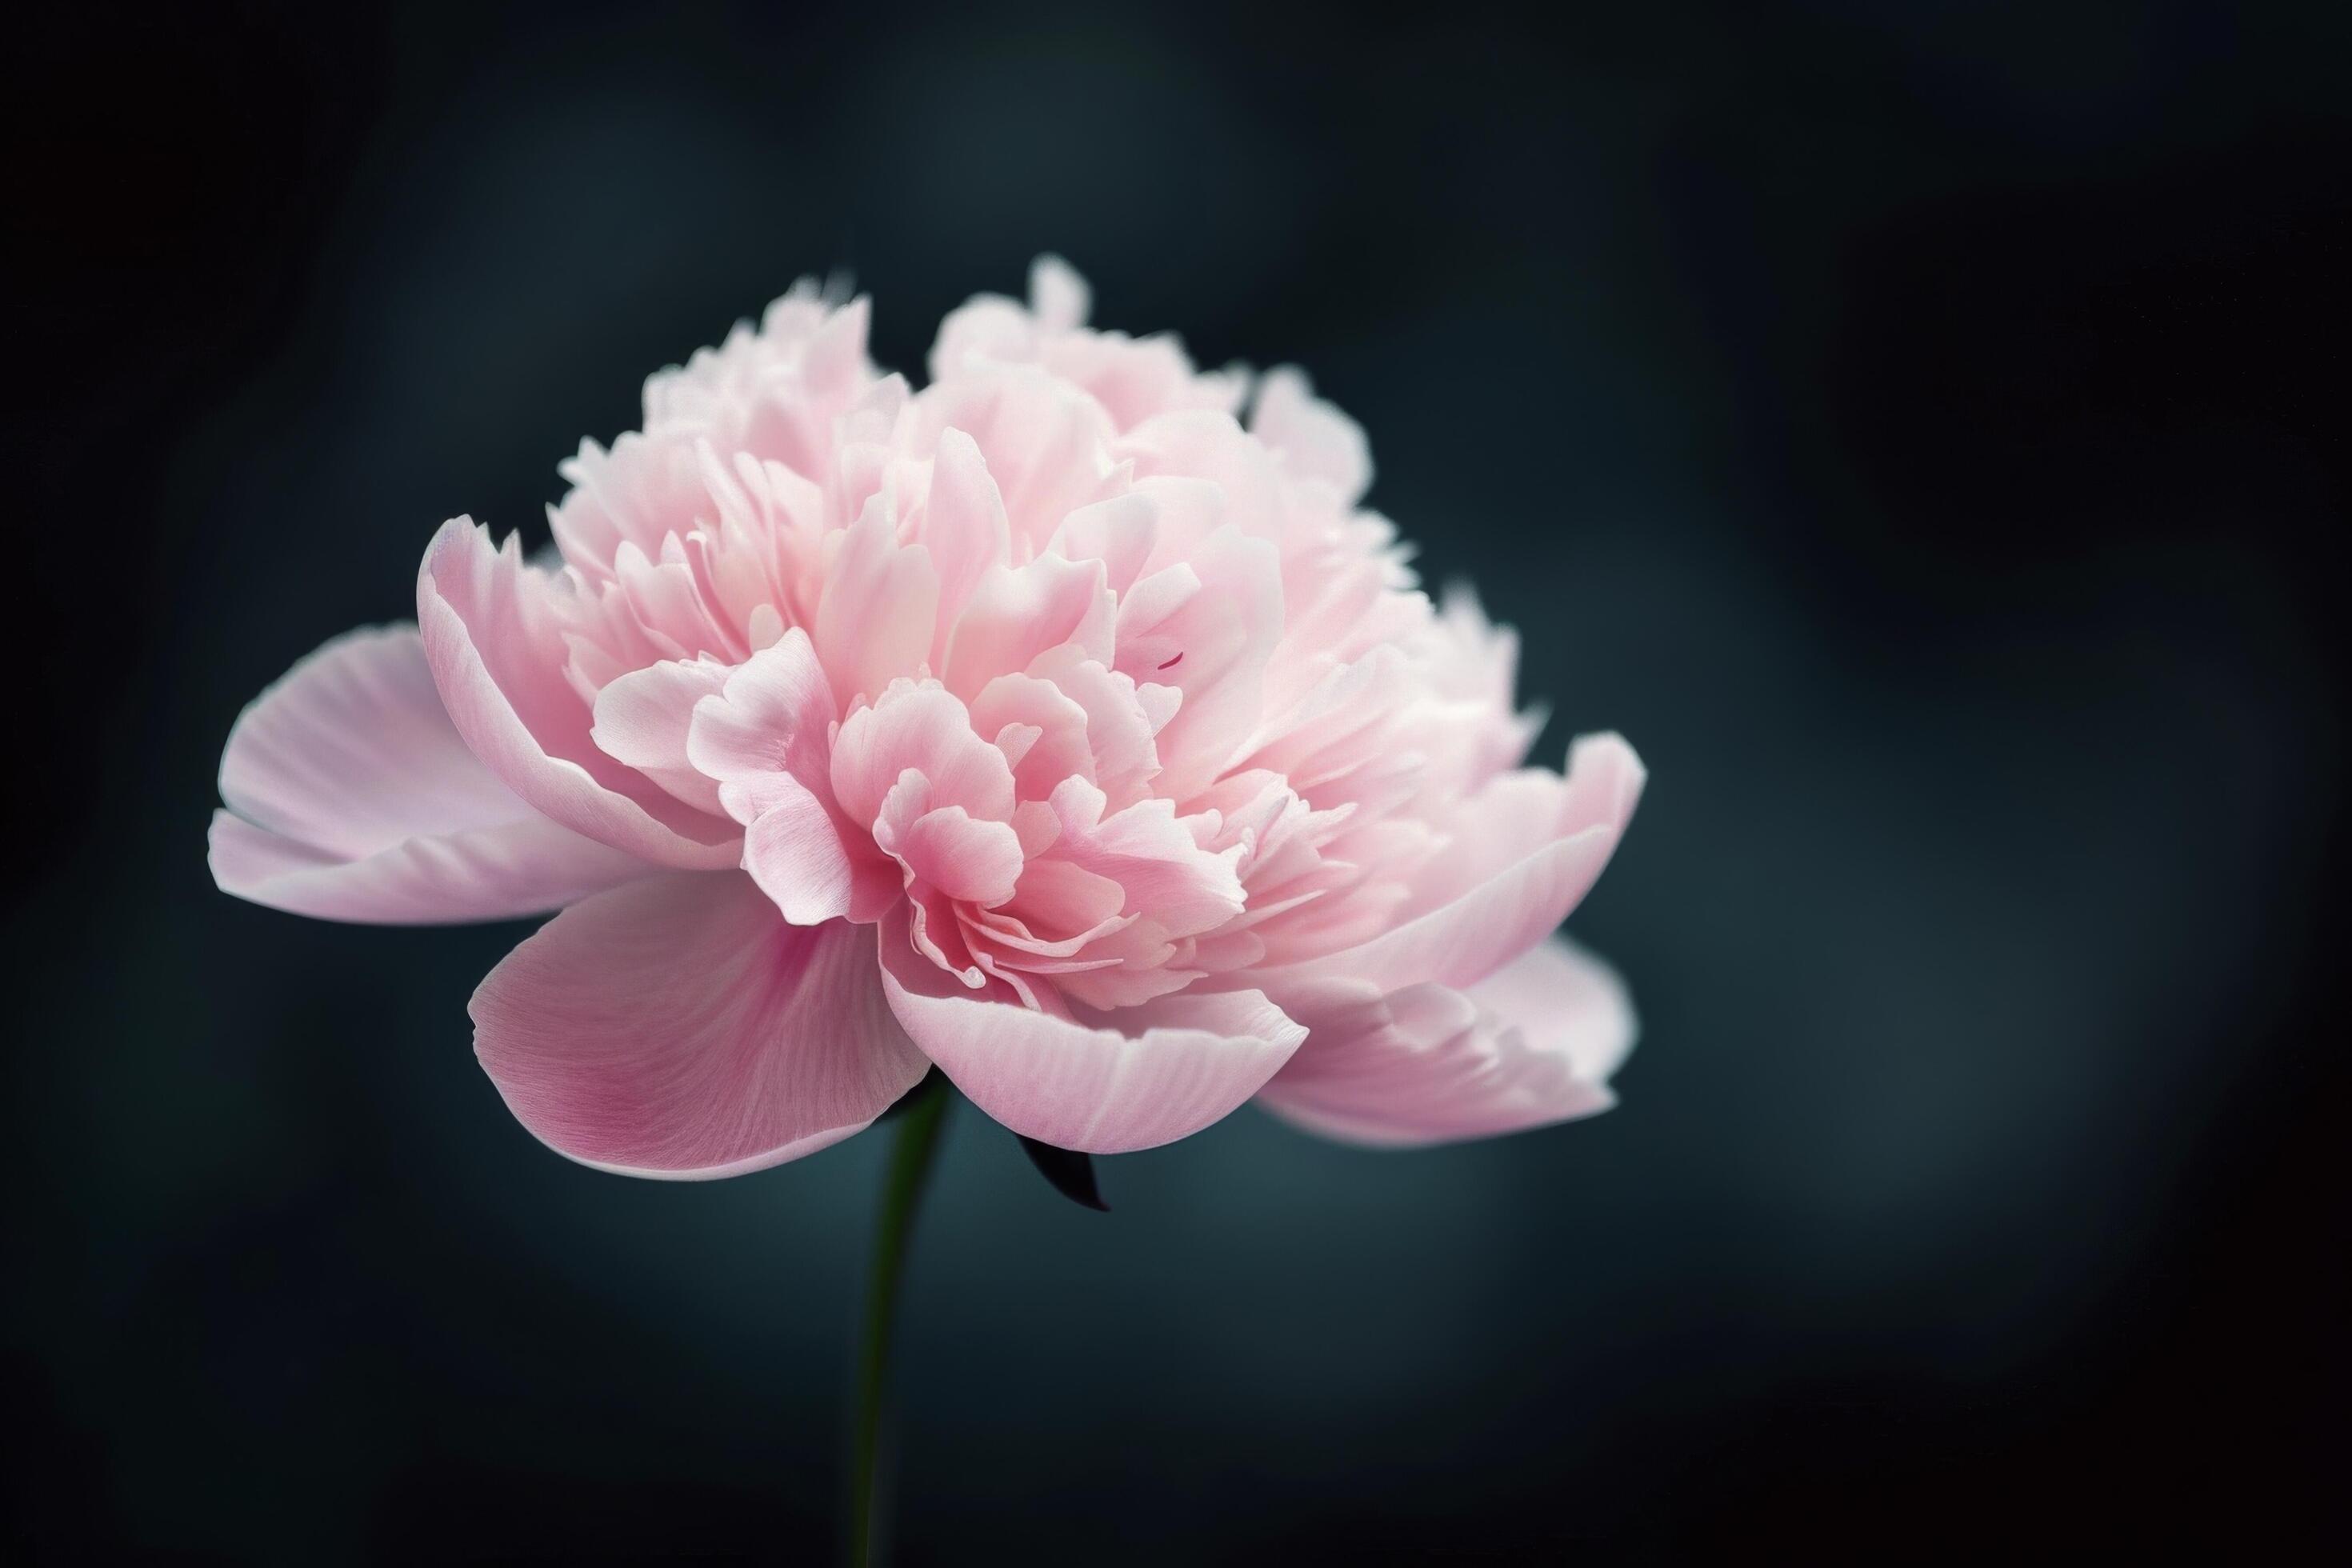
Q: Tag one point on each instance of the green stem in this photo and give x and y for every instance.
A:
(919, 1122)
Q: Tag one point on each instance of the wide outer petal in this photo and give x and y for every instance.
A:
(1125, 1081)
(353, 798)
(1528, 870)
(497, 661)
(679, 1027)
(1532, 1043)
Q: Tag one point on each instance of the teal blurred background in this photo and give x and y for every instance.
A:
(1906, 424)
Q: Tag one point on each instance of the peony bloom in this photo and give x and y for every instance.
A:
(1052, 725)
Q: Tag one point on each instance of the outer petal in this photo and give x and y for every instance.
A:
(1524, 861)
(1315, 439)
(1531, 1044)
(678, 1027)
(1058, 297)
(1148, 1076)
(352, 797)
(497, 661)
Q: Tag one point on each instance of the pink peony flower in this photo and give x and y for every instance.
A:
(1048, 725)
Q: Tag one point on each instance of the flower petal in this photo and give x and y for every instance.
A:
(642, 719)
(798, 854)
(1524, 861)
(771, 720)
(1058, 297)
(765, 738)
(497, 661)
(1313, 440)
(963, 528)
(925, 729)
(1531, 1044)
(678, 1027)
(1045, 441)
(1017, 614)
(352, 797)
(880, 610)
(1115, 1082)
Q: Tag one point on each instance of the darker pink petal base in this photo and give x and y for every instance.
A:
(679, 1027)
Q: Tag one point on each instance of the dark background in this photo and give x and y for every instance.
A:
(1906, 423)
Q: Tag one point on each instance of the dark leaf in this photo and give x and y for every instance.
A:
(1072, 1174)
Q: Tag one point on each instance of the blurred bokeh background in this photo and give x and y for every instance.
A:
(1905, 423)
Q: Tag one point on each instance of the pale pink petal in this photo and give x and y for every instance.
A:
(350, 750)
(1210, 640)
(497, 661)
(1514, 813)
(642, 719)
(972, 862)
(1516, 902)
(1046, 443)
(1204, 444)
(1130, 379)
(1015, 615)
(1058, 903)
(679, 1027)
(772, 720)
(986, 331)
(1313, 440)
(1565, 998)
(352, 797)
(1058, 297)
(1528, 807)
(1119, 533)
(1122, 718)
(766, 740)
(526, 868)
(880, 607)
(1054, 728)
(803, 856)
(1103, 1085)
(1136, 378)
(1532, 1043)
(963, 528)
(835, 362)
(637, 493)
(926, 728)
(774, 391)
(1147, 851)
